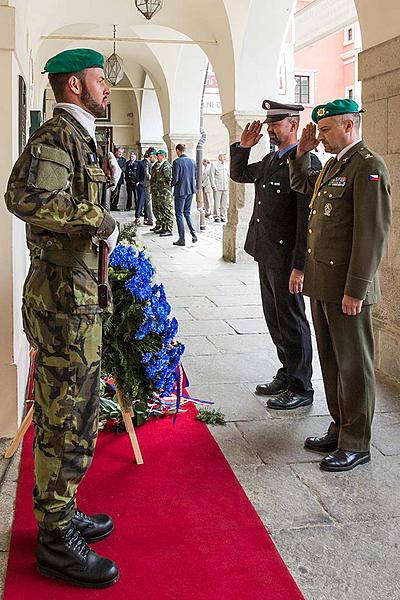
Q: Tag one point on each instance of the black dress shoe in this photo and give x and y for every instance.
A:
(92, 527)
(343, 460)
(156, 229)
(325, 443)
(194, 238)
(164, 233)
(64, 554)
(114, 208)
(289, 400)
(179, 243)
(274, 387)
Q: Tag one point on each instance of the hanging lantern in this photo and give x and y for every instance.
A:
(149, 8)
(114, 66)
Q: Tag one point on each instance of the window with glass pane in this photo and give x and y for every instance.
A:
(302, 89)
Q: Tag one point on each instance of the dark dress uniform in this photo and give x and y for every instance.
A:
(347, 232)
(277, 240)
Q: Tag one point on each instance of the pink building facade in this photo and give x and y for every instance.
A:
(327, 69)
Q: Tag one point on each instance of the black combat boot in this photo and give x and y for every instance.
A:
(92, 527)
(64, 554)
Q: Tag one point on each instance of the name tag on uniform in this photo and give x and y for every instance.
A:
(92, 158)
(337, 182)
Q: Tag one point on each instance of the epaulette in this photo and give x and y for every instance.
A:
(365, 152)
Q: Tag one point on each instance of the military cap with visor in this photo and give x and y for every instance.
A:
(276, 111)
(341, 106)
(74, 60)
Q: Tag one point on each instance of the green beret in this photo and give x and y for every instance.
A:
(152, 153)
(161, 152)
(342, 106)
(73, 61)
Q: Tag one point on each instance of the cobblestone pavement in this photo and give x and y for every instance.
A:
(338, 533)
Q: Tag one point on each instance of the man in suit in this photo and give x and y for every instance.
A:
(277, 240)
(121, 160)
(184, 183)
(348, 228)
(131, 168)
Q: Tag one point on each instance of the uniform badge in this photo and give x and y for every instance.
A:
(373, 177)
(92, 158)
(338, 182)
(320, 112)
(328, 209)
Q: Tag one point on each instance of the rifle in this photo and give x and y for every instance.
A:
(102, 287)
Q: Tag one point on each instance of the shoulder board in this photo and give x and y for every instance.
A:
(365, 152)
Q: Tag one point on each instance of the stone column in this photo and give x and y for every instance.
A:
(379, 71)
(241, 196)
(13, 347)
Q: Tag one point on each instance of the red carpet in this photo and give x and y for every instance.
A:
(184, 529)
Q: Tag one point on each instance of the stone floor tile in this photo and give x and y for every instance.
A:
(280, 498)
(190, 301)
(181, 314)
(212, 327)
(387, 395)
(368, 493)
(197, 346)
(242, 326)
(235, 400)
(12, 472)
(7, 500)
(3, 570)
(253, 343)
(225, 312)
(355, 562)
(237, 300)
(282, 440)
(236, 450)
(227, 368)
(386, 433)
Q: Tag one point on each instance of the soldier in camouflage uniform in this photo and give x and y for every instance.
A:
(155, 196)
(56, 187)
(162, 185)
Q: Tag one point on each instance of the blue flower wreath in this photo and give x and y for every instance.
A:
(138, 341)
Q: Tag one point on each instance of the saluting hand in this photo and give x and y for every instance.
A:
(308, 140)
(296, 281)
(251, 134)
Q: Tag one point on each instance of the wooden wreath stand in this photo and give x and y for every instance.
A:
(126, 415)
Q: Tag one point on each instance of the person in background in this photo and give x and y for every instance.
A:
(208, 198)
(219, 177)
(184, 184)
(119, 154)
(164, 194)
(131, 169)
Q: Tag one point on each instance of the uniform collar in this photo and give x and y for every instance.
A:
(84, 118)
(287, 149)
(346, 149)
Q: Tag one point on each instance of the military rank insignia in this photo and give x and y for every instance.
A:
(321, 112)
(328, 209)
(373, 177)
(338, 182)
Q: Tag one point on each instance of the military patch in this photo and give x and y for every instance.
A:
(337, 182)
(92, 158)
(328, 209)
(373, 177)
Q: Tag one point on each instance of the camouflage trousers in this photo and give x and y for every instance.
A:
(67, 373)
(165, 211)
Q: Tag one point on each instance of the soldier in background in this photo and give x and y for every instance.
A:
(163, 189)
(154, 197)
(56, 187)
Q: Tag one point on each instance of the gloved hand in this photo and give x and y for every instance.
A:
(112, 240)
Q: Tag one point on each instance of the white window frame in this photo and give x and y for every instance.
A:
(312, 78)
(346, 41)
(347, 89)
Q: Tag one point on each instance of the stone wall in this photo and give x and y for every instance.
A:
(379, 71)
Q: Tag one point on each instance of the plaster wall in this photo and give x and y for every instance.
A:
(379, 71)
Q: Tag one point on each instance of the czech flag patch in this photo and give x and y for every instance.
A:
(373, 178)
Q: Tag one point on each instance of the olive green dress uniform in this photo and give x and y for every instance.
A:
(162, 189)
(56, 187)
(347, 232)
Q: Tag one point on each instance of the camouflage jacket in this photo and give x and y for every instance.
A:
(162, 178)
(153, 178)
(55, 187)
